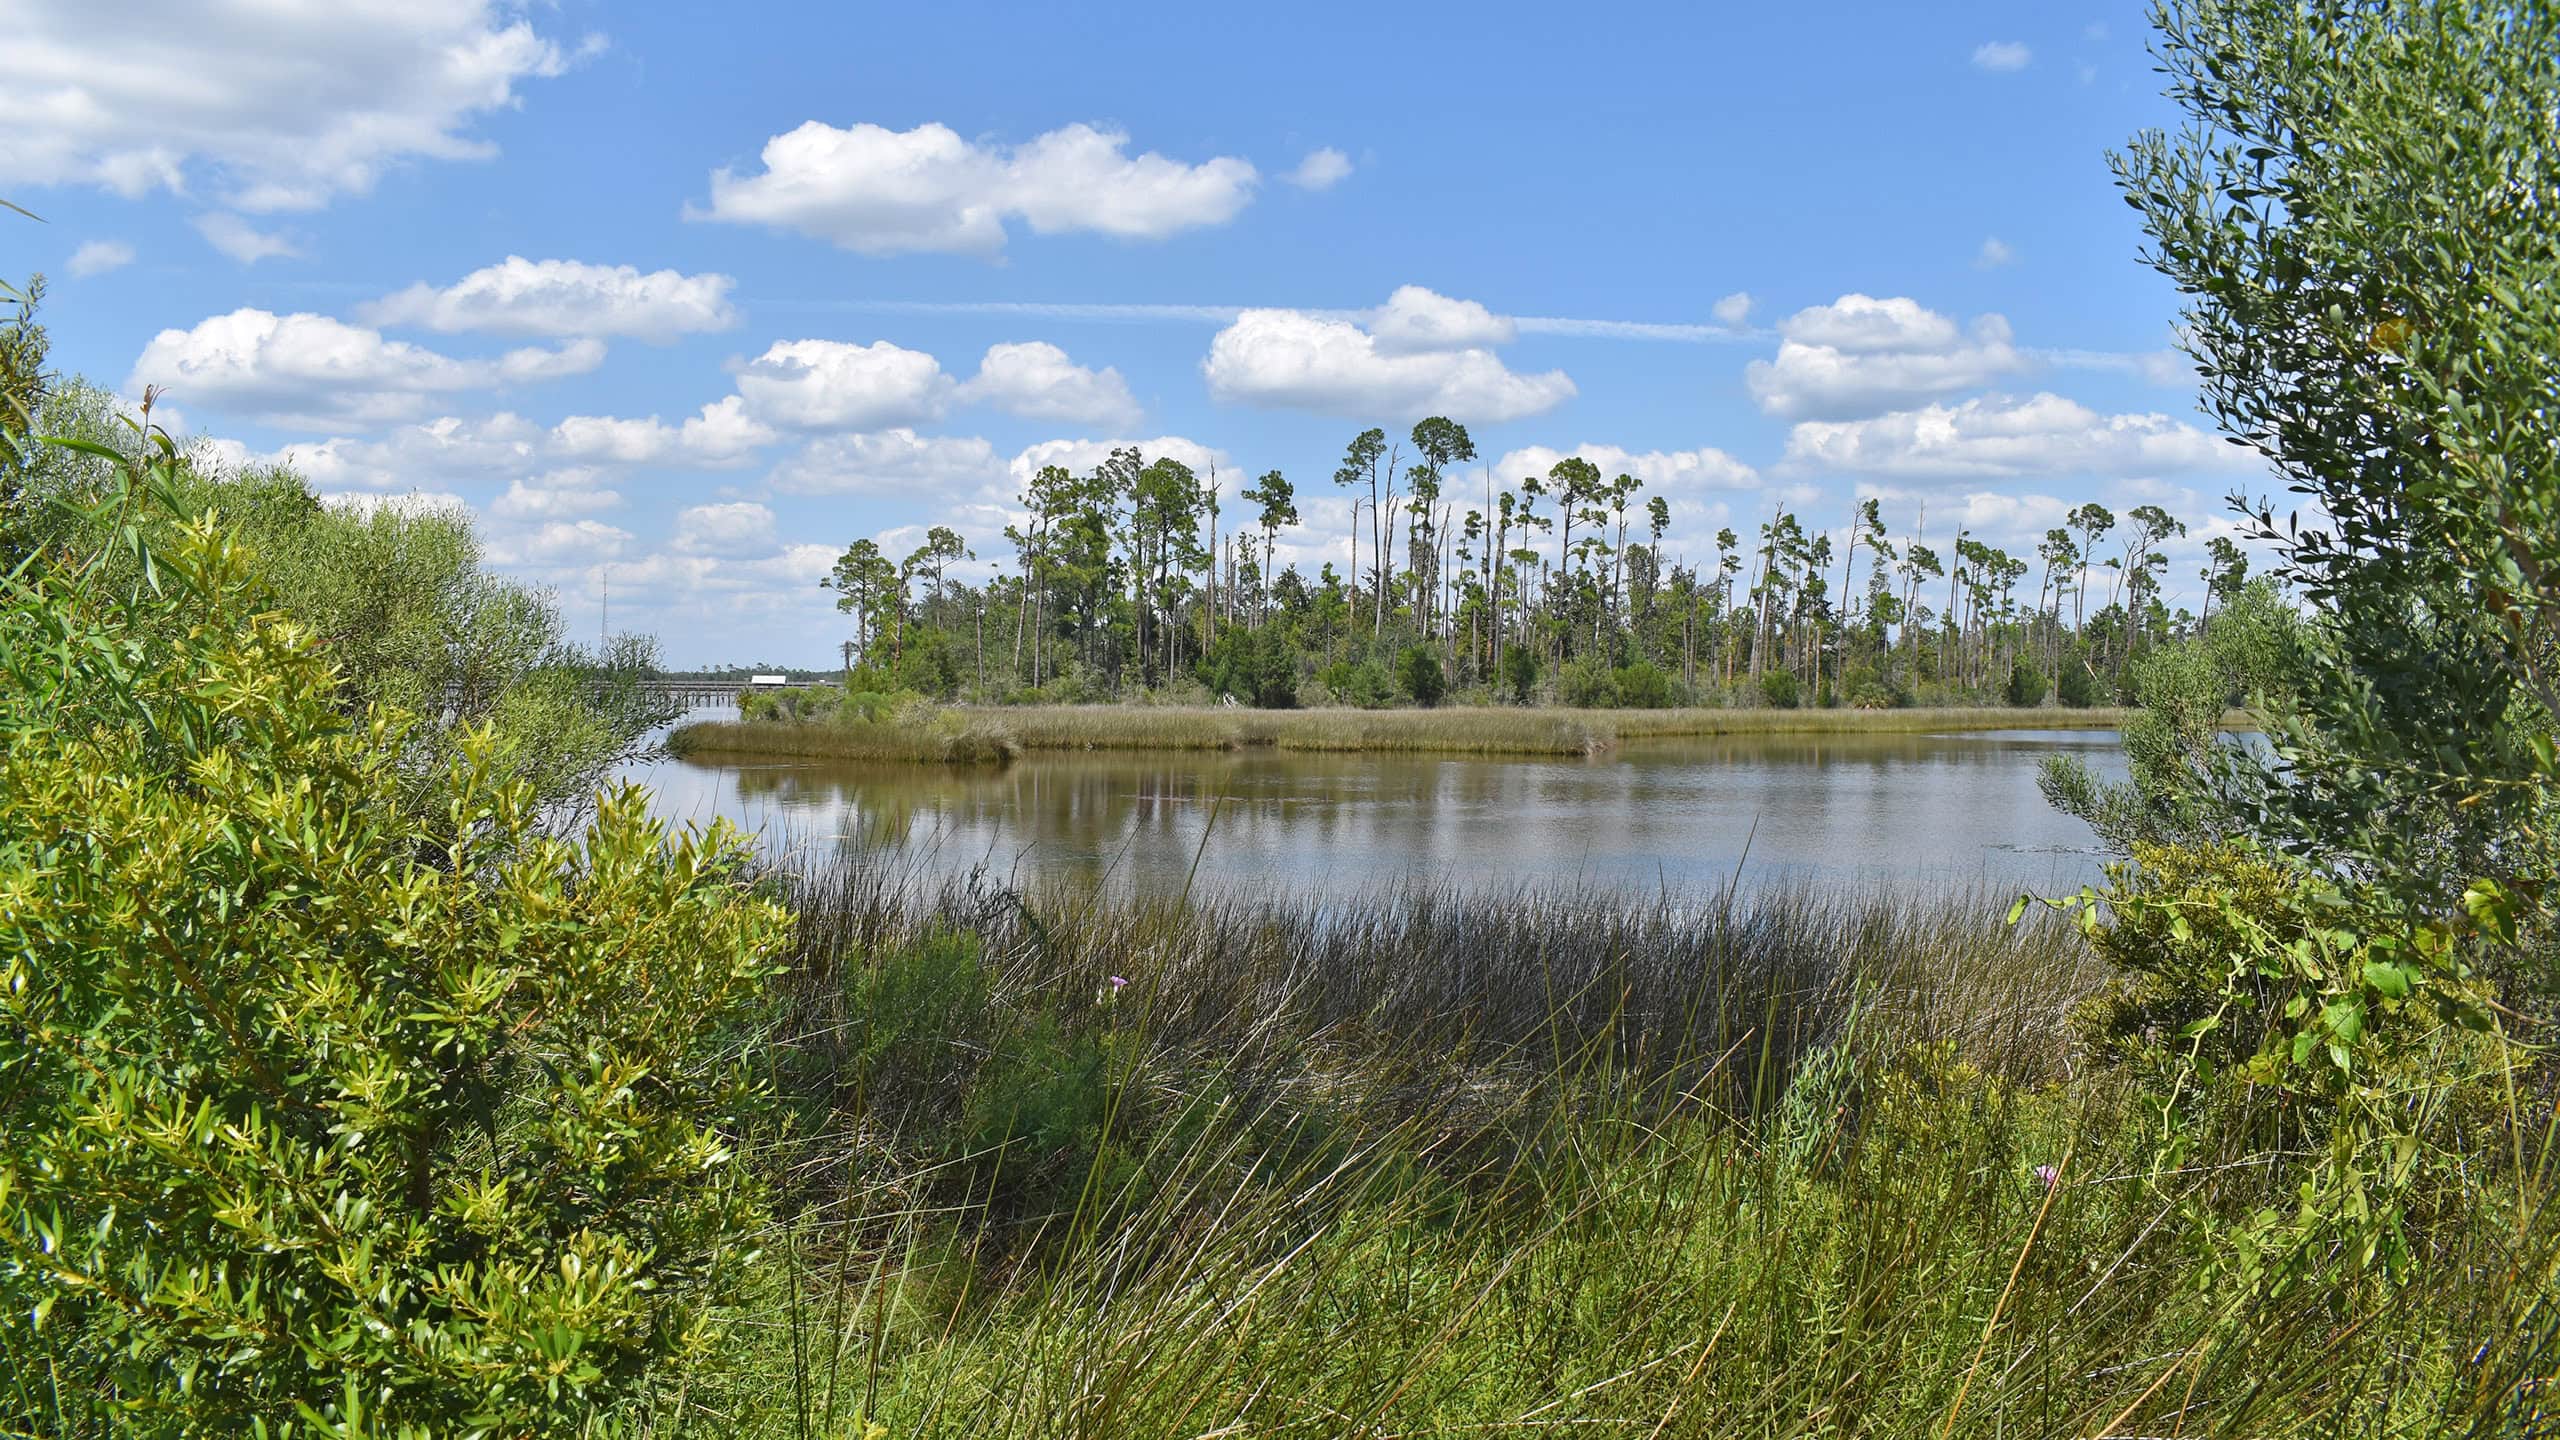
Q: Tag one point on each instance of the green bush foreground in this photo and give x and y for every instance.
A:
(332, 1110)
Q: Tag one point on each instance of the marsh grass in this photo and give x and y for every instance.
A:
(1642, 724)
(973, 734)
(942, 740)
(1557, 1161)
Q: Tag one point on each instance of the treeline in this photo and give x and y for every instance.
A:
(1566, 586)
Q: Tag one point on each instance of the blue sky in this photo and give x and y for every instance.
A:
(682, 300)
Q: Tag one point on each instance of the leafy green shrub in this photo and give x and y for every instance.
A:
(1256, 666)
(1519, 673)
(917, 1014)
(1863, 689)
(1588, 683)
(1034, 1116)
(2172, 954)
(1364, 684)
(2173, 753)
(2245, 977)
(1642, 685)
(927, 663)
(1418, 672)
(2026, 685)
(1069, 688)
(331, 1110)
(874, 707)
(1006, 1093)
(1780, 690)
(2076, 687)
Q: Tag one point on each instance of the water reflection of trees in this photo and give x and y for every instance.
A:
(1677, 810)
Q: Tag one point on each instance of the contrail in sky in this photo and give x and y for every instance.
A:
(1678, 333)
(2159, 367)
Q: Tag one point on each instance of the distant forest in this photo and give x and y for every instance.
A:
(1131, 578)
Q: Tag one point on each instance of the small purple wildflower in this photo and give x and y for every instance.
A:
(2048, 1176)
(1119, 982)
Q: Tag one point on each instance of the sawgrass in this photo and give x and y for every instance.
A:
(1417, 1162)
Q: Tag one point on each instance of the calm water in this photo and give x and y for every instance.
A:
(1935, 810)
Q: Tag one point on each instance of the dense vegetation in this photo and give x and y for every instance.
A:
(824, 722)
(360, 1080)
(1128, 581)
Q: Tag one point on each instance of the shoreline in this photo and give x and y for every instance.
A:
(998, 735)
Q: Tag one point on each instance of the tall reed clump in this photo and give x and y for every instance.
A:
(1420, 1163)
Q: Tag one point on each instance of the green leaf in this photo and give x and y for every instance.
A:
(85, 447)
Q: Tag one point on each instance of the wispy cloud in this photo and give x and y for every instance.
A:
(2159, 367)
(1027, 309)
(1682, 332)
(2001, 56)
(1321, 170)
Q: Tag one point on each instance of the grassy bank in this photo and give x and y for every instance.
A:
(942, 739)
(1412, 1164)
(989, 734)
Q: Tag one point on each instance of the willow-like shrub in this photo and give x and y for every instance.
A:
(333, 1106)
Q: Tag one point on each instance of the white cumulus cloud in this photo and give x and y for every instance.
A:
(264, 106)
(556, 495)
(1036, 380)
(443, 452)
(890, 462)
(1294, 359)
(733, 531)
(722, 434)
(1860, 354)
(535, 363)
(305, 369)
(836, 385)
(878, 191)
(1734, 310)
(560, 544)
(564, 297)
(2005, 437)
(1415, 320)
